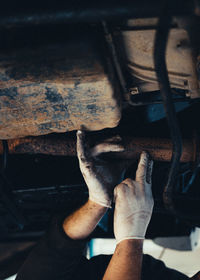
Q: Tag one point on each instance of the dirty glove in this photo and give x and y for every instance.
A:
(134, 203)
(101, 176)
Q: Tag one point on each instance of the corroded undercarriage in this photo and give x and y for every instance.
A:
(120, 68)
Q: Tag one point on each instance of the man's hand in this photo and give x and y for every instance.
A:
(100, 176)
(134, 203)
(133, 209)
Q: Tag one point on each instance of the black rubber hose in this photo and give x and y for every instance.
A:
(166, 94)
(161, 39)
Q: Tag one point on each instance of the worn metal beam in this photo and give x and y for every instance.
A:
(160, 149)
(36, 13)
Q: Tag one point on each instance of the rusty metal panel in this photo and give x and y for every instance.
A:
(56, 88)
(139, 46)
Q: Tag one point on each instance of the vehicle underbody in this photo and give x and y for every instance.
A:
(123, 68)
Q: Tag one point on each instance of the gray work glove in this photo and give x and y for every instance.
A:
(101, 176)
(134, 203)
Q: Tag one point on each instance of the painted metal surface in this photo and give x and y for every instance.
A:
(138, 43)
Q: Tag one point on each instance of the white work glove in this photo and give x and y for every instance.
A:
(101, 176)
(134, 203)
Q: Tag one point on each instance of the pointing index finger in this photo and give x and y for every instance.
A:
(144, 170)
(149, 171)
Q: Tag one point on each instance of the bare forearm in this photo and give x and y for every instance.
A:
(83, 221)
(126, 263)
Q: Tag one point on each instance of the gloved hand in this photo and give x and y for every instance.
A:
(100, 176)
(134, 203)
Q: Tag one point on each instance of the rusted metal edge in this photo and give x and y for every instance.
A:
(160, 149)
